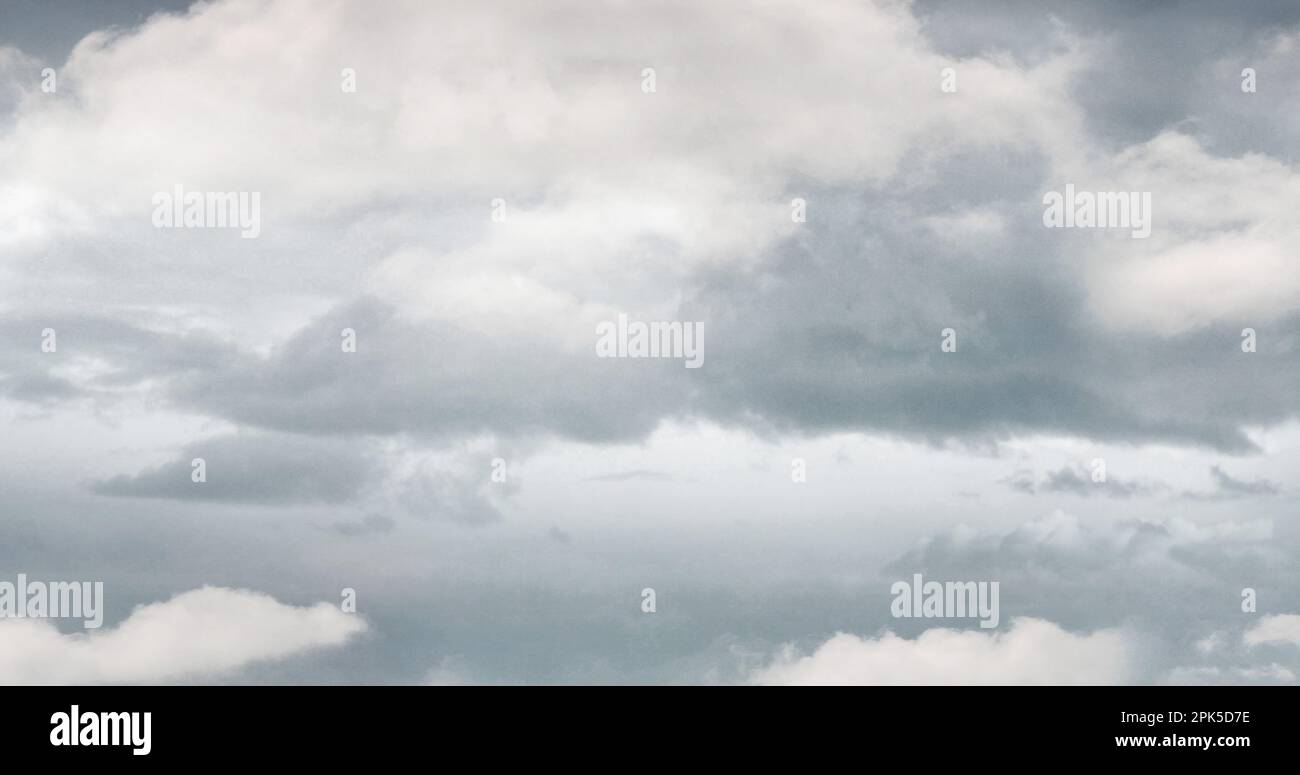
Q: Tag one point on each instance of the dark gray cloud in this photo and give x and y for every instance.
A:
(847, 334)
(1176, 579)
(1228, 487)
(835, 329)
(433, 379)
(844, 336)
(1159, 65)
(120, 354)
(255, 468)
(1078, 480)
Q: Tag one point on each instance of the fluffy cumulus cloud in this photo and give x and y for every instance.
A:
(199, 633)
(1278, 628)
(1032, 651)
(671, 204)
(1206, 208)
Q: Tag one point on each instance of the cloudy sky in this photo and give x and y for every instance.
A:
(502, 180)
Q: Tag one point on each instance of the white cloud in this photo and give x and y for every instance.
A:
(1276, 628)
(554, 121)
(1032, 651)
(197, 633)
(1222, 238)
(538, 100)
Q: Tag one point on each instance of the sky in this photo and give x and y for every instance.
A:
(917, 376)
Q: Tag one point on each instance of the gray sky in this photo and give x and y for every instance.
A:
(476, 349)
